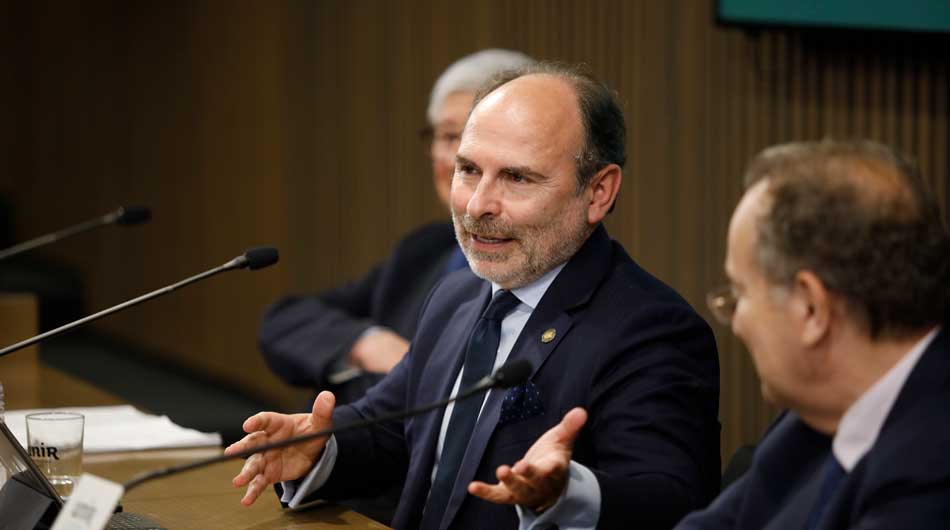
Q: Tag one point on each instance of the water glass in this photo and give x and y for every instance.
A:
(54, 441)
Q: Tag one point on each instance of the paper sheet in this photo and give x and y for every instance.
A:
(122, 428)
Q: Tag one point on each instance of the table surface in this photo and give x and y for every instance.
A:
(202, 499)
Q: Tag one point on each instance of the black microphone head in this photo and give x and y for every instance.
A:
(512, 373)
(260, 257)
(133, 215)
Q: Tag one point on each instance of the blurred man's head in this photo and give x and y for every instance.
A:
(451, 101)
(833, 243)
(530, 185)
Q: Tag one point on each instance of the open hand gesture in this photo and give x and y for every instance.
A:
(540, 477)
(289, 463)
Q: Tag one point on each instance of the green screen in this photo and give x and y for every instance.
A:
(902, 15)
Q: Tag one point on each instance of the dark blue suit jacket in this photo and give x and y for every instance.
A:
(627, 348)
(903, 482)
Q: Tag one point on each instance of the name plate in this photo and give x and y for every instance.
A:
(91, 504)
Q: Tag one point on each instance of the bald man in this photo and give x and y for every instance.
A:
(538, 169)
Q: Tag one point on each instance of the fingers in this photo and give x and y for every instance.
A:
(573, 421)
(527, 489)
(571, 425)
(254, 490)
(497, 494)
(248, 442)
(540, 477)
(321, 417)
(512, 488)
(254, 475)
(525, 469)
(253, 466)
(269, 422)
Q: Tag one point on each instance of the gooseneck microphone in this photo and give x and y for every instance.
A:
(125, 215)
(510, 374)
(253, 259)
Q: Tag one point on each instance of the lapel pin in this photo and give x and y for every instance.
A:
(548, 335)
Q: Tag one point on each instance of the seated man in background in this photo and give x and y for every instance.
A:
(839, 268)
(537, 171)
(346, 338)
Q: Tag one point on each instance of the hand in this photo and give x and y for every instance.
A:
(263, 469)
(538, 480)
(378, 351)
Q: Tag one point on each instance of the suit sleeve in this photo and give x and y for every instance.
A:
(653, 438)
(302, 337)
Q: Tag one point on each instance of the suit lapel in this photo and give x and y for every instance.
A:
(437, 380)
(795, 512)
(443, 364)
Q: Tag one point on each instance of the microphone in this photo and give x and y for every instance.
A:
(510, 374)
(253, 259)
(125, 215)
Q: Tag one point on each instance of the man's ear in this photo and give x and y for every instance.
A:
(814, 306)
(602, 190)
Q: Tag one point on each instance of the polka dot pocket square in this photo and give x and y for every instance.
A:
(521, 402)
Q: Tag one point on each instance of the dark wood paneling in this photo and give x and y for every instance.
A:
(294, 123)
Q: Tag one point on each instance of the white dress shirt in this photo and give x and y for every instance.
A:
(862, 422)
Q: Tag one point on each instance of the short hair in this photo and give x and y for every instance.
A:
(471, 72)
(859, 216)
(605, 132)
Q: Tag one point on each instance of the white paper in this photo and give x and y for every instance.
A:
(91, 504)
(122, 428)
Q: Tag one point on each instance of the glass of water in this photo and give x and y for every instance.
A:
(54, 441)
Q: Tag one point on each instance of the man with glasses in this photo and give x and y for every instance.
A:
(839, 268)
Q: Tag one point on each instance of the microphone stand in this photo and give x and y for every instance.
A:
(84, 226)
(486, 383)
(236, 263)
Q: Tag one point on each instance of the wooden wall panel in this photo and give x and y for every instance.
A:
(295, 122)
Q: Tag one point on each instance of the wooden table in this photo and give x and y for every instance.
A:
(202, 499)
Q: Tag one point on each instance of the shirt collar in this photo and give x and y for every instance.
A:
(862, 422)
(531, 294)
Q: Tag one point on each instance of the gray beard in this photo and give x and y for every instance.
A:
(534, 259)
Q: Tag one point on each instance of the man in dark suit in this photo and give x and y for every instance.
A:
(538, 169)
(345, 339)
(838, 261)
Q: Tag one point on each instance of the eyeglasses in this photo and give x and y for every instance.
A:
(722, 302)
